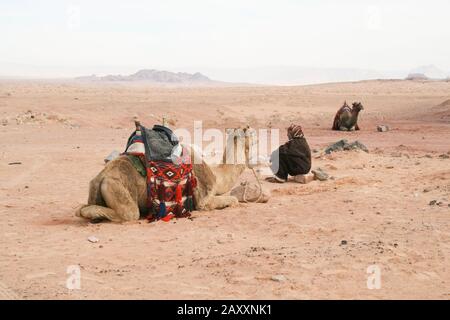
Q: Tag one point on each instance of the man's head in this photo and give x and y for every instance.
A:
(294, 131)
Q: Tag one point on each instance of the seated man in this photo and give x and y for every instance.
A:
(292, 158)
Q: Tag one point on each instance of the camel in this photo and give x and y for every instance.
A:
(346, 118)
(119, 193)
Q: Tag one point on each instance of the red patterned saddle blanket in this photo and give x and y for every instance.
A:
(170, 188)
(170, 176)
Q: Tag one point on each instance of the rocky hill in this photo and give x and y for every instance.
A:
(154, 76)
(431, 72)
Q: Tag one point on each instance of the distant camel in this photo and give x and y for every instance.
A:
(346, 118)
(119, 192)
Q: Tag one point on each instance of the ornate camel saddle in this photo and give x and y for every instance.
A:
(157, 154)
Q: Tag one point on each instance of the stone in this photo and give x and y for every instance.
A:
(356, 145)
(93, 239)
(320, 175)
(444, 156)
(304, 178)
(432, 202)
(343, 242)
(337, 146)
(278, 278)
(382, 128)
(113, 155)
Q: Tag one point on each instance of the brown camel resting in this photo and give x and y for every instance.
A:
(347, 117)
(119, 192)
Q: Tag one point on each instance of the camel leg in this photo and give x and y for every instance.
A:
(119, 199)
(96, 213)
(220, 202)
(120, 205)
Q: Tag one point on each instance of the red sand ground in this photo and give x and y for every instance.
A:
(378, 202)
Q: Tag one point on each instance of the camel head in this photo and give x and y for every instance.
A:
(357, 106)
(241, 147)
(251, 147)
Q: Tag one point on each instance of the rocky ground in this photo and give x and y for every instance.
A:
(387, 208)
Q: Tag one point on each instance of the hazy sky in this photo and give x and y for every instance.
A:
(85, 35)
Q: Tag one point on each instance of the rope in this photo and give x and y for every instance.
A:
(246, 187)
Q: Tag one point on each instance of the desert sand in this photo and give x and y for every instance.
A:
(308, 242)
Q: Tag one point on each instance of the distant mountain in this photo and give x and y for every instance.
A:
(431, 72)
(154, 76)
(417, 77)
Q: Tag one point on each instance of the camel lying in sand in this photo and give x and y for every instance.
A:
(119, 193)
(346, 118)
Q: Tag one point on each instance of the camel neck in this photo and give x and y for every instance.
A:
(229, 174)
(355, 113)
(233, 169)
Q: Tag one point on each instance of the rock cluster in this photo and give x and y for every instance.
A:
(31, 117)
(344, 145)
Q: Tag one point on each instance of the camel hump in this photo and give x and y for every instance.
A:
(337, 117)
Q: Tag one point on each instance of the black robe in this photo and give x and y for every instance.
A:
(292, 158)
